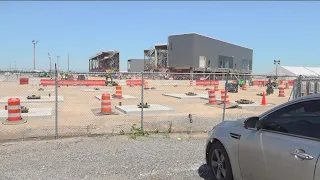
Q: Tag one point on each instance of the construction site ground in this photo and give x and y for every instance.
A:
(75, 116)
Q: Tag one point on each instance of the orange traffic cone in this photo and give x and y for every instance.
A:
(264, 101)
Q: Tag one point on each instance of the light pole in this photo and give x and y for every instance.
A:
(276, 62)
(58, 62)
(50, 63)
(34, 42)
(68, 63)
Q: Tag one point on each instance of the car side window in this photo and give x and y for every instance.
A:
(301, 119)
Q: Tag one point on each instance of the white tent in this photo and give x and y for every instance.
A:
(295, 71)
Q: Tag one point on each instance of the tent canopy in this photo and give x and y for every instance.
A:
(295, 71)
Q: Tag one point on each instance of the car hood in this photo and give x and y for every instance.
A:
(238, 122)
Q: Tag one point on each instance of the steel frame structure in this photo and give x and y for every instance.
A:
(156, 58)
(105, 61)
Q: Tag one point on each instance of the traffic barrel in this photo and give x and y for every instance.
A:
(212, 97)
(225, 97)
(244, 86)
(119, 92)
(281, 91)
(14, 110)
(105, 103)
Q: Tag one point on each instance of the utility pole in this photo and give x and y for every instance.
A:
(276, 62)
(58, 62)
(34, 42)
(49, 62)
(68, 63)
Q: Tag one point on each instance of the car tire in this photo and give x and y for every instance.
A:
(224, 166)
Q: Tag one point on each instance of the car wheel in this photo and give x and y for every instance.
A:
(219, 162)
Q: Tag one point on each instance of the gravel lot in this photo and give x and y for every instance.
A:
(119, 157)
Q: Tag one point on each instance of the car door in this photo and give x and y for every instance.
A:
(286, 146)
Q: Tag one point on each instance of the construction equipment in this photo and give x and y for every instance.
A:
(45, 74)
(241, 82)
(33, 97)
(232, 88)
(110, 80)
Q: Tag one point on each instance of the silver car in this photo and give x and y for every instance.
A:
(280, 144)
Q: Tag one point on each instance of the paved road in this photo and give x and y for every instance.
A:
(111, 158)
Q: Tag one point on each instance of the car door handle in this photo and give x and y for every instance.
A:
(301, 154)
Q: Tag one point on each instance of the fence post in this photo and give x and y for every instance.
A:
(142, 97)
(56, 101)
(225, 95)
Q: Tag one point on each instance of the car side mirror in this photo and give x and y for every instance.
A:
(252, 122)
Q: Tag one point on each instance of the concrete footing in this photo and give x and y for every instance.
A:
(134, 110)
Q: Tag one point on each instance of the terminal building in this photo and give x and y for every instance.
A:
(136, 65)
(197, 53)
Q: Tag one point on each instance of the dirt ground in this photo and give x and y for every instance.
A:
(75, 114)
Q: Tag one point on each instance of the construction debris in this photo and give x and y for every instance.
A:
(33, 97)
(191, 94)
(146, 105)
(24, 109)
(244, 101)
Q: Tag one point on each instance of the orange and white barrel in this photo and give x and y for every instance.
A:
(281, 91)
(212, 97)
(119, 92)
(191, 82)
(244, 86)
(105, 103)
(14, 110)
(224, 97)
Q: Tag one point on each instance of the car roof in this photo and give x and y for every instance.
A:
(304, 98)
(297, 100)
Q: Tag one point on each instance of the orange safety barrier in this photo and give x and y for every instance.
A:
(212, 97)
(14, 110)
(119, 92)
(105, 103)
(291, 82)
(49, 82)
(134, 82)
(224, 98)
(24, 81)
(206, 82)
(260, 82)
(281, 91)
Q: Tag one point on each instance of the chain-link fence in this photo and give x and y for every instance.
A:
(71, 104)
